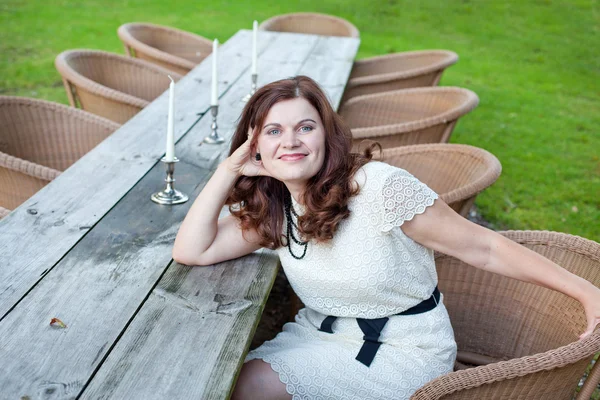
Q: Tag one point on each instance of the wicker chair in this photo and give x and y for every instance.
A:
(171, 48)
(523, 337)
(310, 23)
(40, 139)
(398, 71)
(457, 172)
(408, 116)
(110, 85)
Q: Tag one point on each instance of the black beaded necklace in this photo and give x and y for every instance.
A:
(289, 210)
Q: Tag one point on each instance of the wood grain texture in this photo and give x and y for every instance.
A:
(43, 229)
(188, 339)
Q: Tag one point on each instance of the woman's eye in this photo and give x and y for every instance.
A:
(306, 128)
(273, 132)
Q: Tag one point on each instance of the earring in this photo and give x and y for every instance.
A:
(257, 157)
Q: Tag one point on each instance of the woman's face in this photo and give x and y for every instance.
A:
(291, 142)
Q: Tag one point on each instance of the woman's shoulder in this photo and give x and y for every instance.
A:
(394, 193)
(379, 166)
(374, 174)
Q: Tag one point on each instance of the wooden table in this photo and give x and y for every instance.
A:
(92, 250)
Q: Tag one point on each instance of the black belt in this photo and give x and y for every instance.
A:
(372, 327)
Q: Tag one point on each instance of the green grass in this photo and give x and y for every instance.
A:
(534, 64)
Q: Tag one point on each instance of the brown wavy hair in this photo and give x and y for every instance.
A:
(258, 202)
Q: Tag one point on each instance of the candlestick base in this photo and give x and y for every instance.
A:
(211, 140)
(214, 137)
(247, 97)
(170, 195)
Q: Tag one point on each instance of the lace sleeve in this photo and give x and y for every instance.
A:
(403, 197)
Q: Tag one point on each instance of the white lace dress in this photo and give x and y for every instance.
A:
(370, 269)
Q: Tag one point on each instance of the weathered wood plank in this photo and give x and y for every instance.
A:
(176, 347)
(331, 68)
(196, 318)
(70, 205)
(95, 290)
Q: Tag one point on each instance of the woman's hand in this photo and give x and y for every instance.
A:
(591, 305)
(243, 162)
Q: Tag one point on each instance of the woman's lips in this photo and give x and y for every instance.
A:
(292, 157)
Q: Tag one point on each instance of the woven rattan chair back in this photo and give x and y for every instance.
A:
(310, 23)
(526, 334)
(398, 71)
(456, 172)
(39, 139)
(170, 48)
(409, 116)
(110, 85)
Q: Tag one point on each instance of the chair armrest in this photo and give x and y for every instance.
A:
(27, 167)
(505, 370)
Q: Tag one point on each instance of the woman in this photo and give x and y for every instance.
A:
(355, 238)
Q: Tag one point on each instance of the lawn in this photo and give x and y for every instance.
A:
(534, 64)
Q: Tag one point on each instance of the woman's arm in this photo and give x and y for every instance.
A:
(203, 239)
(441, 229)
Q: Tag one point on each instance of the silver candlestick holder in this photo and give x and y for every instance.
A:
(169, 196)
(247, 97)
(214, 137)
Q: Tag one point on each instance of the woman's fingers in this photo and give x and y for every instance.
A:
(591, 306)
(248, 143)
(243, 152)
(245, 162)
(592, 323)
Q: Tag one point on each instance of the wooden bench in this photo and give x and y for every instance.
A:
(92, 250)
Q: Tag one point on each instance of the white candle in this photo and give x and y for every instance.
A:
(170, 135)
(254, 46)
(214, 98)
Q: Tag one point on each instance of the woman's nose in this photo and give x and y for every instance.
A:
(290, 139)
